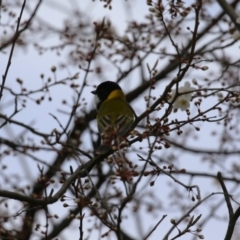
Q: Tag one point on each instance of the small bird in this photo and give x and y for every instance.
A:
(115, 116)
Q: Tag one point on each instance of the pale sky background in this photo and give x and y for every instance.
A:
(27, 64)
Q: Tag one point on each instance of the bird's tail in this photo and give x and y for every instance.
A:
(103, 149)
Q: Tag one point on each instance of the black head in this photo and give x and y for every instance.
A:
(104, 89)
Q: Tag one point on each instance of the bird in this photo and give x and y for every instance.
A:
(115, 116)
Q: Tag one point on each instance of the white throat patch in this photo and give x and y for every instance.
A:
(96, 100)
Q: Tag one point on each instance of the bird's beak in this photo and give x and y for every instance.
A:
(94, 92)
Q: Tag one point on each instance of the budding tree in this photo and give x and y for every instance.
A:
(175, 175)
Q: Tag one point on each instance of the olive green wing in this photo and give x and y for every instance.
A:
(116, 112)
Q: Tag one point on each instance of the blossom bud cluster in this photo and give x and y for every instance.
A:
(157, 11)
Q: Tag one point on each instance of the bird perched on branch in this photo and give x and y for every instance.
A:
(115, 116)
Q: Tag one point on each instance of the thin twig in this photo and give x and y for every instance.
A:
(226, 195)
(44, 135)
(187, 214)
(4, 77)
(155, 227)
